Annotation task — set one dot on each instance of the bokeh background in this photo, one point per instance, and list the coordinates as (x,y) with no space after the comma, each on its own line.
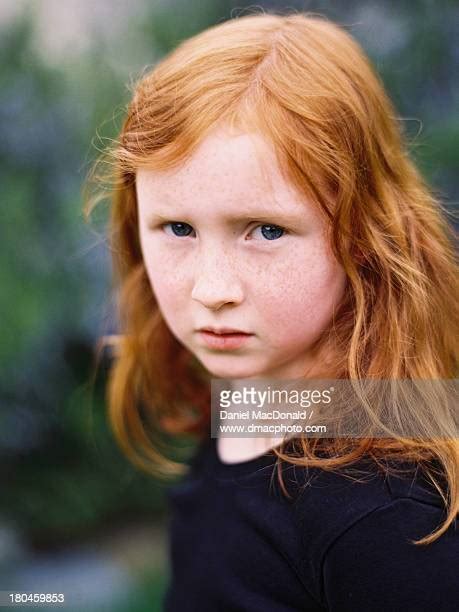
(75,516)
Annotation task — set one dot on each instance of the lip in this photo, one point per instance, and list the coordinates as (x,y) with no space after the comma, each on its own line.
(223,341)
(222,330)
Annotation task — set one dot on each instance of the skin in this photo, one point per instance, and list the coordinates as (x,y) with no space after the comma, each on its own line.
(226,273)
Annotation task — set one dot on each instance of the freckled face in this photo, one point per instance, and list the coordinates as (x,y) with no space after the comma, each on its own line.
(227,242)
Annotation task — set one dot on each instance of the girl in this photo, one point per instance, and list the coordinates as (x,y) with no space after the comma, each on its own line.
(268,222)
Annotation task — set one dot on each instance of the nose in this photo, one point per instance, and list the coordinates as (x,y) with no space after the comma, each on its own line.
(216,282)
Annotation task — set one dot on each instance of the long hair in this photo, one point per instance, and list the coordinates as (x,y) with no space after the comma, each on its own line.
(306,85)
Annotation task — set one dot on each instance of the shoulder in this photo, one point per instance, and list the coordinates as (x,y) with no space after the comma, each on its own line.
(357,538)
(342,497)
(374,559)
(329,502)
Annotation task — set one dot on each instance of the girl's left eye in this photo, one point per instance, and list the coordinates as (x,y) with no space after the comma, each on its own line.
(270,232)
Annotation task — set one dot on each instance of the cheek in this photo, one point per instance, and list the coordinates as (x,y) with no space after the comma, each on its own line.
(299,295)
(167,281)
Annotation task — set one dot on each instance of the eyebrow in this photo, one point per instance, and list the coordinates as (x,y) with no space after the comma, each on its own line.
(232,219)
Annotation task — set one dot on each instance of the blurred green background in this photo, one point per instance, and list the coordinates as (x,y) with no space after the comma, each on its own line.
(75,516)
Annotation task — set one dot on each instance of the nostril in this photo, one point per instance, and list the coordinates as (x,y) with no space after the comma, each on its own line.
(215,292)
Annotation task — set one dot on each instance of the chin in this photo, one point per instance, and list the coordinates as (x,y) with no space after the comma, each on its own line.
(232,368)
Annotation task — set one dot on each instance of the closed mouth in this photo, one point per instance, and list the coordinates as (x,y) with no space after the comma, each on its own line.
(224,332)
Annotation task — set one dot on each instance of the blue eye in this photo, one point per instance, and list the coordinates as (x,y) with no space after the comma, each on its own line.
(271,232)
(268,231)
(179,229)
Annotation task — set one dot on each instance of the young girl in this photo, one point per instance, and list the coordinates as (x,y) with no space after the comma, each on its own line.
(268,222)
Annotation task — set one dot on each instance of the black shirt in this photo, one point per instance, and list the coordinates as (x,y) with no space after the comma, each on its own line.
(238,544)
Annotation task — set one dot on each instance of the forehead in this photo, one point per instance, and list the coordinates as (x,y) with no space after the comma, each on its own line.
(225,168)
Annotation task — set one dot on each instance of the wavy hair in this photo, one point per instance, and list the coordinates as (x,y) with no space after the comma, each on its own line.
(306,85)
